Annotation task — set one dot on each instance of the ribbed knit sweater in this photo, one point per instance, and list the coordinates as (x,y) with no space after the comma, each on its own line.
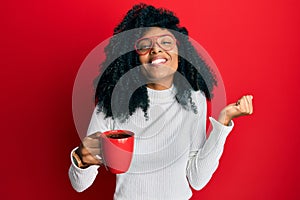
(171,152)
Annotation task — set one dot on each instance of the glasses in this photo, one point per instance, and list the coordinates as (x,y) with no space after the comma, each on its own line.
(144,45)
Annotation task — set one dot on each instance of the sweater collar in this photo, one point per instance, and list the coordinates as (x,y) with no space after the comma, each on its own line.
(161,96)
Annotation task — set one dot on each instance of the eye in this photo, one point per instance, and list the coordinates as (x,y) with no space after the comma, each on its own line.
(144,44)
(167,41)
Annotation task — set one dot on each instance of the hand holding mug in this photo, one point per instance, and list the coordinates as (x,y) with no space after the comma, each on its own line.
(114,146)
(90,149)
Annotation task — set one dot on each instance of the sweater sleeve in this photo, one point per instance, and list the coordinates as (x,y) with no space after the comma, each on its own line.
(81,179)
(204,155)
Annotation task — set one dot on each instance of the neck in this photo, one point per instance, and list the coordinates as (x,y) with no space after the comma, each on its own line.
(160,84)
(155,86)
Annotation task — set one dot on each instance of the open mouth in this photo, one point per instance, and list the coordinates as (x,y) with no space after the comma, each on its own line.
(159,61)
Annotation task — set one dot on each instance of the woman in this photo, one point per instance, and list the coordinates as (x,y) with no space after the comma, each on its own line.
(162,87)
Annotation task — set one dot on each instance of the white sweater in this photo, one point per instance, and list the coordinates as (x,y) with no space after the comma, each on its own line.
(171,152)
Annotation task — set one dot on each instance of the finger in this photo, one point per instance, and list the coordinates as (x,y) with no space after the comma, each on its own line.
(98,157)
(91,143)
(250,97)
(92,151)
(244,106)
(249,104)
(241,104)
(89,159)
(247,108)
(95,135)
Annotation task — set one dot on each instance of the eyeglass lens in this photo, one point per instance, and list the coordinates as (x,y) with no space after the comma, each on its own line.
(166,42)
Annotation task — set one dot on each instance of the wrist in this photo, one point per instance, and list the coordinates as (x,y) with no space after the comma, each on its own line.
(224,119)
(78,160)
(226,122)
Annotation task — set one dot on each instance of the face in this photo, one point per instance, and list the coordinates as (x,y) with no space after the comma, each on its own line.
(159,57)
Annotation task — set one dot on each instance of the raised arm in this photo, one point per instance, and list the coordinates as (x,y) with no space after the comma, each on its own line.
(204,158)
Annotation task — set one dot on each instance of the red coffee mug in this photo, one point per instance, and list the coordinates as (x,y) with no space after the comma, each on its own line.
(117,150)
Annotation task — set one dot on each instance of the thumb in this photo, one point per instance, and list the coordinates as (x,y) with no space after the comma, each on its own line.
(95,135)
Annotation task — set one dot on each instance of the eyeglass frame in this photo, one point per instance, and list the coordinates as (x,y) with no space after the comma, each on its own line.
(152,39)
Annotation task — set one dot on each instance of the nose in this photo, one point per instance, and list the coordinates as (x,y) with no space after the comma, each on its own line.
(155,49)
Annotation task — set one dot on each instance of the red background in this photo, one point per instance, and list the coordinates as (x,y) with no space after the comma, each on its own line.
(255,45)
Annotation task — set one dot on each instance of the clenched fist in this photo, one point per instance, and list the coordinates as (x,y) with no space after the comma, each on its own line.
(242,107)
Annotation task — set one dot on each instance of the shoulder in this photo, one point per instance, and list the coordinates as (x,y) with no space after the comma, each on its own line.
(198,97)
(200,102)
(99,122)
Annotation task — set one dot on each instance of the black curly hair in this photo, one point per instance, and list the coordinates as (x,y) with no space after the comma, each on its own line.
(133,93)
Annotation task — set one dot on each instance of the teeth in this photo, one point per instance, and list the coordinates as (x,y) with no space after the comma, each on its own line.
(158,61)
